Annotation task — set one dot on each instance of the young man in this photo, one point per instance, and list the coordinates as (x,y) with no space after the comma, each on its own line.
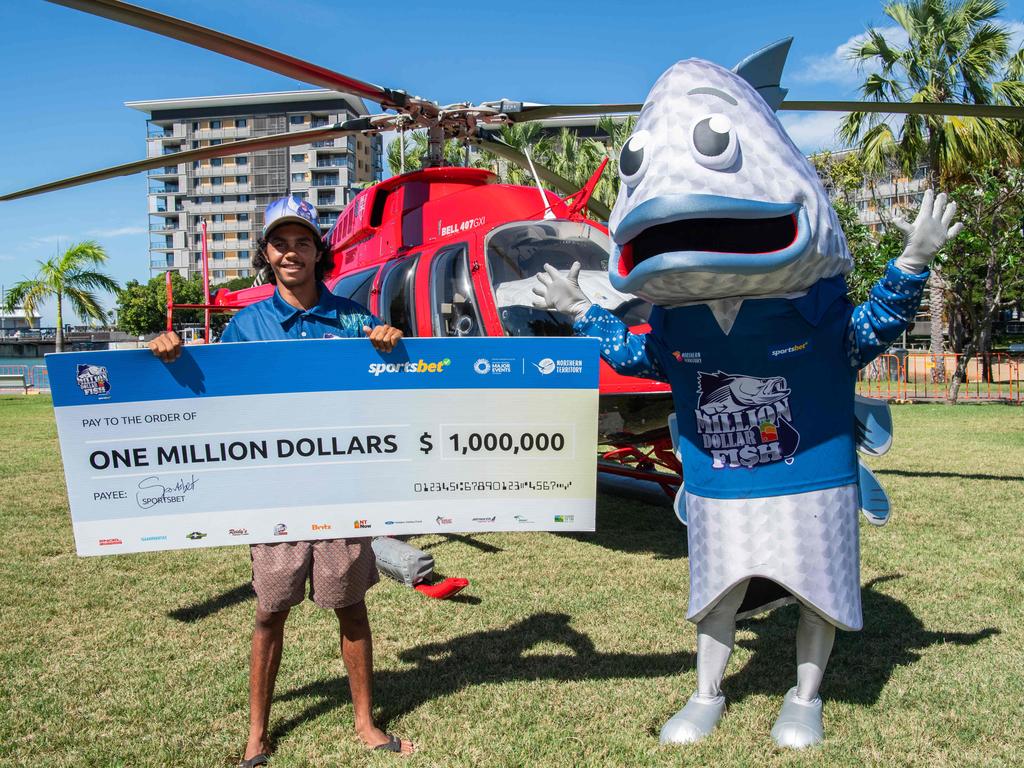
(339,570)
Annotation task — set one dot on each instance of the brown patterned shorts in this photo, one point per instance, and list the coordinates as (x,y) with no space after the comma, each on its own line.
(339,572)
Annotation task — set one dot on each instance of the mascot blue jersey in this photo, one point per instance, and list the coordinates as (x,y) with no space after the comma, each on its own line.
(766,409)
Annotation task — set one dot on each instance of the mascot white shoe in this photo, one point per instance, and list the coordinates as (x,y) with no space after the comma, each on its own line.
(723,225)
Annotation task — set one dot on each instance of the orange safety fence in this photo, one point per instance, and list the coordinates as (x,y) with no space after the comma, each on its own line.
(994,377)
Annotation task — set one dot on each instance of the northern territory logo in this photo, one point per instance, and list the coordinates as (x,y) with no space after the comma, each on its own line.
(93,379)
(744,421)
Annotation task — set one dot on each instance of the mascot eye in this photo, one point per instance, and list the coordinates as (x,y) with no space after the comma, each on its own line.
(714,142)
(634,158)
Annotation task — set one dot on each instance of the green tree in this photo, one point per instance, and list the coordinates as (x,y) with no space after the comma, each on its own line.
(985,264)
(71,275)
(142,307)
(957,52)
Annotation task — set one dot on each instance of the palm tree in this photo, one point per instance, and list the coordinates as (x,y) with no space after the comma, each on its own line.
(956,52)
(526,137)
(69,275)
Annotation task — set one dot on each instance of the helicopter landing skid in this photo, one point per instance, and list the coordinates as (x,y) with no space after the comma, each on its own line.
(644,456)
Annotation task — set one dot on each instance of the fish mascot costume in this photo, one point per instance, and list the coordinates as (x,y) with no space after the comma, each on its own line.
(723,225)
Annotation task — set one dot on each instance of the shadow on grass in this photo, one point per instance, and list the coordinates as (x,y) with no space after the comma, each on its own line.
(636,528)
(481,546)
(493,656)
(205,609)
(957,475)
(861,663)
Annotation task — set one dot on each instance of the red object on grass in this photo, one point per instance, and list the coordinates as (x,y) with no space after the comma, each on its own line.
(443,589)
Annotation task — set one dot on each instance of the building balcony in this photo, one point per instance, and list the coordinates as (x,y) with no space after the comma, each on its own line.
(222,133)
(168,170)
(232,207)
(234,169)
(226,226)
(221,189)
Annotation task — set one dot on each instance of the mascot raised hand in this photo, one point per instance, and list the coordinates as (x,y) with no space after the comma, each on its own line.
(724,226)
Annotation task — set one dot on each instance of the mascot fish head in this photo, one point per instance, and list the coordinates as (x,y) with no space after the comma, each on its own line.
(716,201)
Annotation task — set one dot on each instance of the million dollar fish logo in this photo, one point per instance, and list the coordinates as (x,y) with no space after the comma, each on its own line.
(745,421)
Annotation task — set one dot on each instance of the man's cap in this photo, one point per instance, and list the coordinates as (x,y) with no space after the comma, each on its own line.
(289,210)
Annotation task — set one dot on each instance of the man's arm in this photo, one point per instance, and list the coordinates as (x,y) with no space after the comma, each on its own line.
(628,353)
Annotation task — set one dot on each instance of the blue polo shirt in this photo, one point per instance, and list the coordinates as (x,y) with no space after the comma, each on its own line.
(274,319)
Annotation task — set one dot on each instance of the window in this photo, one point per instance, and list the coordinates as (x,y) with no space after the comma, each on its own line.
(242,179)
(298,177)
(517,252)
(397,294)
(195,125)
(356,287)
(243,216)
(243,255)
(298,158)
(216,161)
(216,180)
(241,123)
(195,145)
(215,124)
(218,217)
(244,199)
(214,142)
(243,272)
(218,274)
(217,198)
(218,236)
(241,161)
(297,119)
(218,254)
(452,305)
(243,235)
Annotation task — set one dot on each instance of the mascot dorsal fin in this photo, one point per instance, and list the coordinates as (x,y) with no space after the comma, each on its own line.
(763,70)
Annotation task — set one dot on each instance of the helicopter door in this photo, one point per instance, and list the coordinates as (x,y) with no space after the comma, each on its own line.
(453,309)
(398,294)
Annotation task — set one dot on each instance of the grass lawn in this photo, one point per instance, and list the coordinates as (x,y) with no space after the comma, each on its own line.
(567,650)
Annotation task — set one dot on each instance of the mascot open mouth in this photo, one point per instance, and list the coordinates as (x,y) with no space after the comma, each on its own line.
(706,233)
(753,236)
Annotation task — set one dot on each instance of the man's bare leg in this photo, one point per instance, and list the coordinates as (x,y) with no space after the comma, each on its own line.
(357,653)
(267,641)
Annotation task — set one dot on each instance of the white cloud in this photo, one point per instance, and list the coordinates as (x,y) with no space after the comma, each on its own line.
(1016,34)
(836,67)
(813,131)
(117,231)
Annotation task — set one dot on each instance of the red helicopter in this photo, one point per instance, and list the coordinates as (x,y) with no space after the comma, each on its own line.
(449,251)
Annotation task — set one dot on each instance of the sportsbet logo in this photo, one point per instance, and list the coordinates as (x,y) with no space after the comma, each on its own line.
(422,366)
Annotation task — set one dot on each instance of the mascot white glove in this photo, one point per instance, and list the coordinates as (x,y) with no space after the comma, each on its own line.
(929,232)
(561,292)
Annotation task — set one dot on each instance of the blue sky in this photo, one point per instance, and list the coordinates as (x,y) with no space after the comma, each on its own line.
(69,75)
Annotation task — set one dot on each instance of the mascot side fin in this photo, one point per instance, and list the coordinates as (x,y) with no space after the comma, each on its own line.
(873,425)
(763,70)
(874,502)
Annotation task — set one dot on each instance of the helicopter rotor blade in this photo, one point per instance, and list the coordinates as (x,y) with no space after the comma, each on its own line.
(291,138)
(520,113)
(950,109)
(526,113)
(502,149)
(236,48)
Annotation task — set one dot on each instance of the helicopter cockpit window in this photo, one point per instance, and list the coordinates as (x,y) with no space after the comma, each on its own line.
(397,293)
(356,286)
(517,252)
(452,303)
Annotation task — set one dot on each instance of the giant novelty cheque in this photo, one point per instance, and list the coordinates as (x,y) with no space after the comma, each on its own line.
(286,441)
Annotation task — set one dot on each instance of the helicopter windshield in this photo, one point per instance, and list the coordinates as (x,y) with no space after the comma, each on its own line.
(517,252)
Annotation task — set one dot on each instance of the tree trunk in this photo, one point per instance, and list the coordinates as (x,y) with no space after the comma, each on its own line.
(988,317)
(58,343)
(960,373)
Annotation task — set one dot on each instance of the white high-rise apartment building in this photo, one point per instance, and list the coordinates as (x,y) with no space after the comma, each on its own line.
(232,192)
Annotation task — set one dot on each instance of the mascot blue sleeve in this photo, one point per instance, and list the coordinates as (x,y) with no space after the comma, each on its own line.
(630,354)
(880,320)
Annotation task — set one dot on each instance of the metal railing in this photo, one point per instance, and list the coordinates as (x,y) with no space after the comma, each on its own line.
(35,375)
(922,376)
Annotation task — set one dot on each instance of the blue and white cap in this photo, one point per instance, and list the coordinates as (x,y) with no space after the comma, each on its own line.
(290,210)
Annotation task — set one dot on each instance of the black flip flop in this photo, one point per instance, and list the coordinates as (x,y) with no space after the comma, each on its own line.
(254,761)
(393,744)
